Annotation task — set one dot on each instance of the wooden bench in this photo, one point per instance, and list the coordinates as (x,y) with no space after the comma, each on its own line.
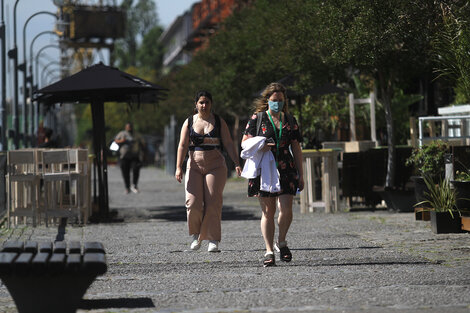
(47,277)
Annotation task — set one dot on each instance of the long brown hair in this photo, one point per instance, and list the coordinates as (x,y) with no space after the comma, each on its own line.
(261,103)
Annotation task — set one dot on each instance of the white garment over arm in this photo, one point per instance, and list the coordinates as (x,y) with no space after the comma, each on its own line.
(260,163)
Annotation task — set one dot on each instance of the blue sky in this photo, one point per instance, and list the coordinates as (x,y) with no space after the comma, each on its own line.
(168,10)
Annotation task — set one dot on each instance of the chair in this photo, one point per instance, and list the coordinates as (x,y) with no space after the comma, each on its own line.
(79,175)
(59,200)
(23,185)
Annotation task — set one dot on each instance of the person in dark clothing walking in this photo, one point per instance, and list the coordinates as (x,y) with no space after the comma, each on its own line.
(131,156)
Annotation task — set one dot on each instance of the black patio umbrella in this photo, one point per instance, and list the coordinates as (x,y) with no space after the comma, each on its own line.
(95,85)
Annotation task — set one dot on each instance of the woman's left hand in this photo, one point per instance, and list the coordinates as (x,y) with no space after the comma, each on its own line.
(239,170)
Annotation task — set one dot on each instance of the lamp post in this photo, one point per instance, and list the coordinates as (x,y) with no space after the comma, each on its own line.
(37,73)
(31,50)
(37,57)
(23,67)
(53,78)
(13,54)
(35,111)
(3,112)
(44,69)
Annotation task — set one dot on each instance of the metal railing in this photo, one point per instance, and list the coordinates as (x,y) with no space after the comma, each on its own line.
(462,125)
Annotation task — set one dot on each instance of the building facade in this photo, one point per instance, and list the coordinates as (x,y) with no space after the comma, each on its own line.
(191,31)
(174,39)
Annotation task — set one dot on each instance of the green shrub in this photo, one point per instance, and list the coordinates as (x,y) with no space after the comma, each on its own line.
(429,159)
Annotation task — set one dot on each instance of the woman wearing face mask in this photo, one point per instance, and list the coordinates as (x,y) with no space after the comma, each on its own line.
(282,132)
(204,134)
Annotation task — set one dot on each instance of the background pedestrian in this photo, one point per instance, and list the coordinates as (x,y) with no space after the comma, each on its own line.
(131,156)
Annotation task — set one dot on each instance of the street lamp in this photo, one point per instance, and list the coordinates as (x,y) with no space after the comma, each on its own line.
(3,111)
(35,111)
(13,54)
(39,53)
(53,78)
(23,67)
(39,109)
(46,67)
(31,49)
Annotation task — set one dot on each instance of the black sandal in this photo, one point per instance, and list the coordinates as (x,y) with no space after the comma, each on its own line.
(285,254)
(269,260)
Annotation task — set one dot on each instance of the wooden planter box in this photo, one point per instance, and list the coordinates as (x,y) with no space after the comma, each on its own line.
(465,223)
(422,214)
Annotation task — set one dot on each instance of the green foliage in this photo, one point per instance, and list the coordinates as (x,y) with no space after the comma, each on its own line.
(255,46)
(462,175)
(150,52)
(429,159)
(141,19)
(84,125)
(384,44)
(451,46)
(441,197)
(401,116)
(324,116)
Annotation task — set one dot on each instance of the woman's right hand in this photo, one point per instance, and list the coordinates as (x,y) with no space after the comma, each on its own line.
(179,174)
(267,147)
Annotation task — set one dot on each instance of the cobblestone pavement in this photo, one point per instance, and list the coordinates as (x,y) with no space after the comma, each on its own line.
(344,262)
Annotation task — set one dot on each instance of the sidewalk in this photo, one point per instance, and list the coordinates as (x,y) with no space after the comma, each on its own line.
(344,262)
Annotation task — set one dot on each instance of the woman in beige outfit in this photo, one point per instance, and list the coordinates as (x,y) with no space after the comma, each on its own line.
(204,134)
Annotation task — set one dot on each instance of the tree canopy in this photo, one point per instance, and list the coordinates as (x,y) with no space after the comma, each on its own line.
(385,42)
(358,45)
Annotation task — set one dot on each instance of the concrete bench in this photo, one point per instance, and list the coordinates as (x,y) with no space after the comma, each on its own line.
(47,277)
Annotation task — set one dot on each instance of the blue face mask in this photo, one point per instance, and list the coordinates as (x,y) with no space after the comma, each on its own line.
(276,106)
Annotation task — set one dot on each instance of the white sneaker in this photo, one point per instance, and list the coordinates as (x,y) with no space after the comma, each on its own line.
(134,189)
(195,244)
(213,246)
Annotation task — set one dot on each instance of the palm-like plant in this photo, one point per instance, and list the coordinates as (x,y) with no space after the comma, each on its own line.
(441,197)
(452,45)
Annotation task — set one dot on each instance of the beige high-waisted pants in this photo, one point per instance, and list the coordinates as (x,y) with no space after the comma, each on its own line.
(205,179)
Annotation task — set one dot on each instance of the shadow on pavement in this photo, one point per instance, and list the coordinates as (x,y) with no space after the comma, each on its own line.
(334,248)
(178,214)
(113,217)
(131,303)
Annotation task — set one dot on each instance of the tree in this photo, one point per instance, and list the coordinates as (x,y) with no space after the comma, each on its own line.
(387,39)
(251,49)
(141,18)
(452,46)
(316,42)
(150,52)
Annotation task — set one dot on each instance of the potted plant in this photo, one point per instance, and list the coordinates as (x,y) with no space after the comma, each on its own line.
(427,160)
(442,198)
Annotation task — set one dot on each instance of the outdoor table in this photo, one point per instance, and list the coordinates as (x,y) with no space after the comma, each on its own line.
(329,179)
